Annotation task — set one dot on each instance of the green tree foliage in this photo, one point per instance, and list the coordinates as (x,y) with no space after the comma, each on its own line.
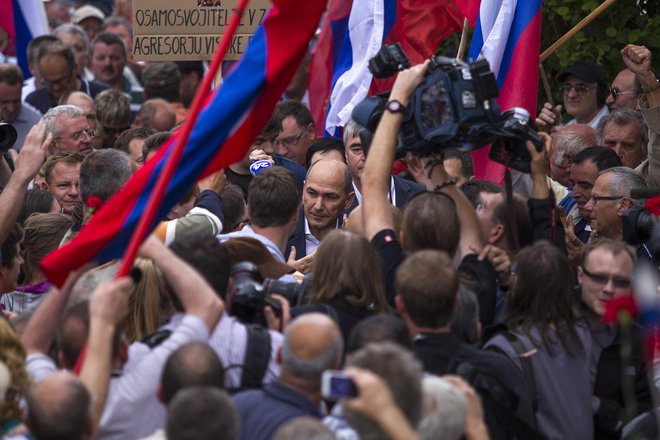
(626,21)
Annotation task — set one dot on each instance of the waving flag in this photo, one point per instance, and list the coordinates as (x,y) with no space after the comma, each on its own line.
(22,20)
(232,118)
(508,35)
(353,32)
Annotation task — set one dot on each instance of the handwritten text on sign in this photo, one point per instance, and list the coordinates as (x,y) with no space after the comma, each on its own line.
(177,30)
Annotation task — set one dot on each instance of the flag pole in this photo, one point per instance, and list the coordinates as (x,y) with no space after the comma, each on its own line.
(577,28)
(175,156)
(460,54)
(546,85)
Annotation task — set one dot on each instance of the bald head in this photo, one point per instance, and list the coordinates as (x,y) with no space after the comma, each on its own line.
(60,408)
(84,102)
(327,192)
(157,114)
(312,344)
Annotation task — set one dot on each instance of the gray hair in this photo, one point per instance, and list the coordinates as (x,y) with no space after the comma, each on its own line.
(351,129)
(401,372)
(625,116)
(569,144)
(50,118)
(103,173)
(311,368)
(623,180)
(74,29)
(445,410)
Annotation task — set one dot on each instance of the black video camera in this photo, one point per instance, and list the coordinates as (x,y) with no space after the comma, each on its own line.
(453,107)
(251,293)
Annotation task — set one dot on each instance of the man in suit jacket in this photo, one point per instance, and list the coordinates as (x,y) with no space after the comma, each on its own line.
(400,189)
(327,192)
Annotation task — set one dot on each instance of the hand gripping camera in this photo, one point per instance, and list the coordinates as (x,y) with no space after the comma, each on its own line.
(453,107)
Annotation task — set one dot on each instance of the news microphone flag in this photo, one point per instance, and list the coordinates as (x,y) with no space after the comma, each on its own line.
(508,35)
(232,118)
(352,33)
(23,20)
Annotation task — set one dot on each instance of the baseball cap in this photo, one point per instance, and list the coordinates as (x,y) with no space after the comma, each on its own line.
(252,250)
(87,11)
(586,70)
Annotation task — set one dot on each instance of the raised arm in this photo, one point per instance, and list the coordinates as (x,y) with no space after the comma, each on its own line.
(471,241)
(29,161)
(196,295)
(108,307)
(376,212)
(638,60)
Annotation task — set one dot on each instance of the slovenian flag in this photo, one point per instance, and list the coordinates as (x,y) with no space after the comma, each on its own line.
(353,32)
(23,20)
(232,118)
(508,35)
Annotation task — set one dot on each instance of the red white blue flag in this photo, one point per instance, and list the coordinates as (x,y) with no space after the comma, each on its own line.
(232,118)
(508,35)
(352,33)
(22,20)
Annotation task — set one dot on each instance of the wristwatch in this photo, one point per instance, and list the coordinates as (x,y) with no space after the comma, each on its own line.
(394,106)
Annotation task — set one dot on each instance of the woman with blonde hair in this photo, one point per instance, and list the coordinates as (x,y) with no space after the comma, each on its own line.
(148,308)
(347,278)
(12,354)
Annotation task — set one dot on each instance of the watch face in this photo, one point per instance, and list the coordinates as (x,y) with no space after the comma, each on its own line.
(394,106)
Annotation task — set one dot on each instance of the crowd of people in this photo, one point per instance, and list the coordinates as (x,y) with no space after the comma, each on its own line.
(452,307)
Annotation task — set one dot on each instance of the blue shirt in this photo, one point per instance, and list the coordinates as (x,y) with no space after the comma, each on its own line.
(263,411)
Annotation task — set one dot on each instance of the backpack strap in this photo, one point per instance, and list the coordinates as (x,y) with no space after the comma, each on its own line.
(257,356)
(527,370)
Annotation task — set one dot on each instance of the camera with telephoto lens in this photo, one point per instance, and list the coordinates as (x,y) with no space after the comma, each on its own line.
(8,136)
(251,293)
(637,224)
(453,107)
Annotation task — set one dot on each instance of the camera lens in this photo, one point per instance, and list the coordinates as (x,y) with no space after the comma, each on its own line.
(8,136)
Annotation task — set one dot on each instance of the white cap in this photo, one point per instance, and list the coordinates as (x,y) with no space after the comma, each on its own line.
(87,11)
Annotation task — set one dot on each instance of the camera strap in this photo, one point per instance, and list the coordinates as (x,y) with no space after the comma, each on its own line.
(257,356)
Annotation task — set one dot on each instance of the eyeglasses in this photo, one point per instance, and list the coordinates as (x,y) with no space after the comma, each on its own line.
(580,89)
(79,135)
(596,199)
(110,131)
(290,141)
(616,93)
(60,81)
(618,283)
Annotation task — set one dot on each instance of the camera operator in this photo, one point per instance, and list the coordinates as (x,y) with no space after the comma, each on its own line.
(431,220)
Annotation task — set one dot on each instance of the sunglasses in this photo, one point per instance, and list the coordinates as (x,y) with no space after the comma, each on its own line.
(616,93)
(618,283)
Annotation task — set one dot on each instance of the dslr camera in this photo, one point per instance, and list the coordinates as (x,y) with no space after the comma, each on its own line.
(251,293)
(453,107)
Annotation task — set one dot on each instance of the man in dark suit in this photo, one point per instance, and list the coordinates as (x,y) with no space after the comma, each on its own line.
(400,189)
(328,190)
